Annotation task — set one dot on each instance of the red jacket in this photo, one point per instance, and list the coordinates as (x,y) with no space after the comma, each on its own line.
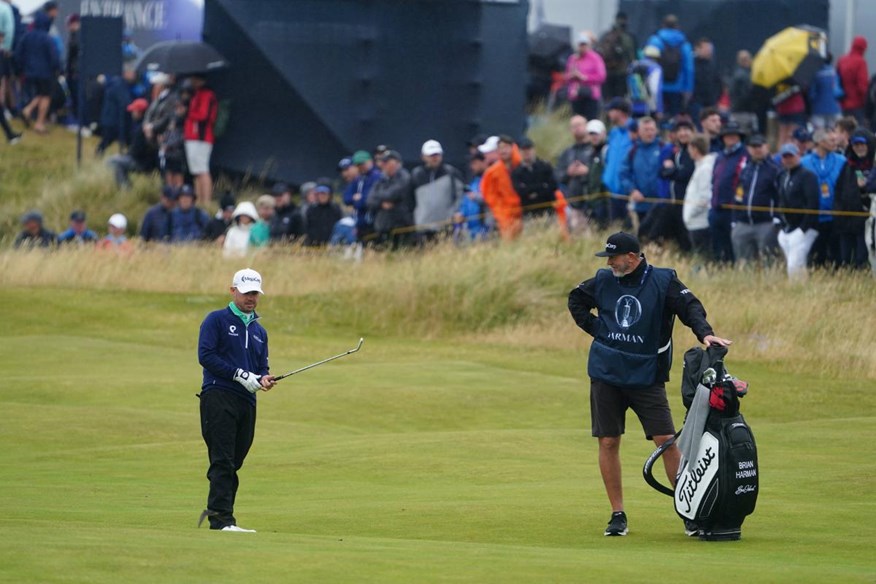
(852,69)
(201,116)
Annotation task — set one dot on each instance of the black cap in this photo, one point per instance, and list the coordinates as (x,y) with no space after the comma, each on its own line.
(227,201)
(280,188)
(619,103)
(619,244)
(170,192)
(757,140)
(77,216)
(187,191)
(477,140)
(391,155)
(525,143)
(32,216)
(732,128)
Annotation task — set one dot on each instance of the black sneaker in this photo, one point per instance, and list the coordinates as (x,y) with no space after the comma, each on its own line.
(618,524)
(691,529)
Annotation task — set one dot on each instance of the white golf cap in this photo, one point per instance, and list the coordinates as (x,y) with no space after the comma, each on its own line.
(491,145)
(247,280)
(595,127)
(159,78)
(118,221)
(432,147)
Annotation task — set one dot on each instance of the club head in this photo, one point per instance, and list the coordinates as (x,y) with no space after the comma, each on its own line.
(361,341)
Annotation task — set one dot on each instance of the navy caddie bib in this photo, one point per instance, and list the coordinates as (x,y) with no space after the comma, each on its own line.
(625,348)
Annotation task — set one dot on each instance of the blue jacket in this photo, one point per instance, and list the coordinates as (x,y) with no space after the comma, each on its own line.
(675,38)
(117,98)
(758,189)
(157,224)
(37,54)
(363,186)
(619,143)
(726,175)
(70,236)
(823,92)
(641,170)
(188,225)
(225,345)
(828,171)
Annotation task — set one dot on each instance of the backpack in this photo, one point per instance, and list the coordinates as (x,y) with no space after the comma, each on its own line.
(670,62)
(637,85)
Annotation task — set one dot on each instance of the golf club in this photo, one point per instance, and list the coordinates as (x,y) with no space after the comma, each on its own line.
(312,365)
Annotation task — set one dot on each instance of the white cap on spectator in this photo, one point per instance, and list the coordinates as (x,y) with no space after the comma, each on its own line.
(595,127)
(118,221)
(159,78)
(491,145)
(432,147)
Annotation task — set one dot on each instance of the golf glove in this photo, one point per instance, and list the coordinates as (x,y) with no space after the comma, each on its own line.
(248,379)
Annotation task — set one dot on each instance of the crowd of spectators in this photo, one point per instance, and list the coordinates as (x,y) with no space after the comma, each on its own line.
(661,144)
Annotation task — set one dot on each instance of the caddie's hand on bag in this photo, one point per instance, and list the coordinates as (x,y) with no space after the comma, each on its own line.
(248,379)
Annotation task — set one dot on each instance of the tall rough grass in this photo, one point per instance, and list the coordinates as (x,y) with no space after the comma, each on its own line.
(494,293)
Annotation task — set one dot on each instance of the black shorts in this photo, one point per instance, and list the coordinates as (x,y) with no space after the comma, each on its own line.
(40,87)
(5,65)
(609,405)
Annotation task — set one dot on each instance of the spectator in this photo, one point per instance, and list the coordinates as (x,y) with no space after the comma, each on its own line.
(171,148)
(219,224)
(78,232)
(33,234)
(790,110)
(356,193)
(199,137)
(802,138)
(116,240)
(39,61)
(852,195)
(141,157)
(585,74)
(823,106)
(162,111)
(740,84)
(845,127)
(618,49)
(619,143)
(798,191)
(640,170)
(322,217)
(707,80)
(534,182)
(157,222)
(188,222)
(665,221)
(472,212)
(597,207)
(12,138)
(308,196)
(7,37)
(236,242)
(827,165)
(437,189)
(698,196)
(645,84)
(676,61)
(852,69)
(573,166)
(287,223)
(71,68)
(498,189)
(725,182)
(260,234)
(114,112)
(753,230)
(710,121)
(130,51)
(390,202)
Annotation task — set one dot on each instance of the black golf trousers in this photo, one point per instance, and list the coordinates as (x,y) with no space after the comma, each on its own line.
(228,428)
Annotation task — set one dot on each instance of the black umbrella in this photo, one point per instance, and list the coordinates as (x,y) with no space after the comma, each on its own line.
(181,58)
(550,41)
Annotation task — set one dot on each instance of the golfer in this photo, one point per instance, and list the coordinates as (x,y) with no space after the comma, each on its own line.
(631,354)
(233,349)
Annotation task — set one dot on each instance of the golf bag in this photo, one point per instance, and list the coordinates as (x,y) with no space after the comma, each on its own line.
(717,483)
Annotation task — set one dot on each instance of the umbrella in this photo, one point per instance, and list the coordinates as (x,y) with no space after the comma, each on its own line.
(181,58)
(794,54)
(549,42)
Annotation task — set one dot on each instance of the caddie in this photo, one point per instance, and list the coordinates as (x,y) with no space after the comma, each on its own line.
(233,350)
(631,355)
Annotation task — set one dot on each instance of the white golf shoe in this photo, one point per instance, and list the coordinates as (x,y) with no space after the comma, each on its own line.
(236,528)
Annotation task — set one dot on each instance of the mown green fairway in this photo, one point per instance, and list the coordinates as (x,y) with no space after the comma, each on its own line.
(412,461)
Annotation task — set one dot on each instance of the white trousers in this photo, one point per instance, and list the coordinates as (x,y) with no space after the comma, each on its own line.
(796,246)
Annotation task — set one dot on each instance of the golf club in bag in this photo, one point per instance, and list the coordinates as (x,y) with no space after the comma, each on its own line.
(717,483)
(312,365)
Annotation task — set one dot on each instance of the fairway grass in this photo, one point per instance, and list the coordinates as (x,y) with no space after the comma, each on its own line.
(412,461)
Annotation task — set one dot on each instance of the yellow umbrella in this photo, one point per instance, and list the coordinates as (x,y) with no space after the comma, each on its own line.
(794,54)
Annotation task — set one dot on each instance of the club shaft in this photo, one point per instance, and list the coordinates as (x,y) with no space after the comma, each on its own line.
(312,365)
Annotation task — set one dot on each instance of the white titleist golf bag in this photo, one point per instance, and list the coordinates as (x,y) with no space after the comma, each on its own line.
(717,483)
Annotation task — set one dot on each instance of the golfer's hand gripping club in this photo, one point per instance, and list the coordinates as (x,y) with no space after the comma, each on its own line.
(248,380)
